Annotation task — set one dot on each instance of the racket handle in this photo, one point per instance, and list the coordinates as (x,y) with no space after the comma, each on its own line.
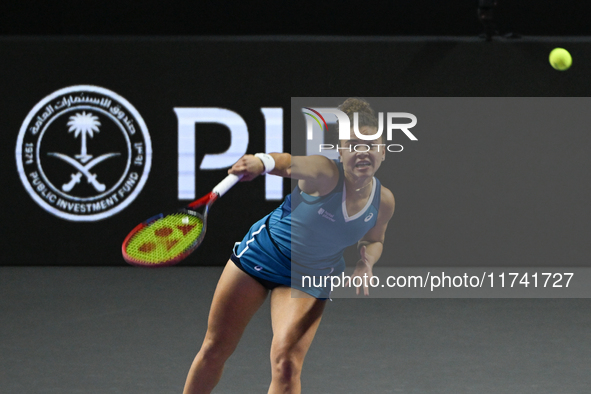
(226,184)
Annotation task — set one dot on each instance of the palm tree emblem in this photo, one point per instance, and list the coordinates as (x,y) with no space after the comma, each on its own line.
(83,124)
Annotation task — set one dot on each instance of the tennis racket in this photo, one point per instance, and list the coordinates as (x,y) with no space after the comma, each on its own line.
(166,239)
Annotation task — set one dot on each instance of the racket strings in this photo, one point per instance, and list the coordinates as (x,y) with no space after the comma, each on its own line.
(165,240)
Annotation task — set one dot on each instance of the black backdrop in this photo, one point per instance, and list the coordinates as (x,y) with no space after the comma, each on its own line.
(374,17)
(243,75)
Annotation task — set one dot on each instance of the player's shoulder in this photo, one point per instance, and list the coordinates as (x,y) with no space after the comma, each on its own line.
(317,159)
(316,164)
(387,201)
(317,174)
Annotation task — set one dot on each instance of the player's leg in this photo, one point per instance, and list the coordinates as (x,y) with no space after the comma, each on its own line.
(295,321)
(237,297)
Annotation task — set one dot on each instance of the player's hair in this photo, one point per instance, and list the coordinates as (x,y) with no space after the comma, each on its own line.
(366,114)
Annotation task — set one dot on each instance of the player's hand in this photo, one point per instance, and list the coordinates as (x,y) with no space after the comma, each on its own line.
(248,166)
(364,271)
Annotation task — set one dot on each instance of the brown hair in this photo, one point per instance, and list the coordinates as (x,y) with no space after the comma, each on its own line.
(366,115)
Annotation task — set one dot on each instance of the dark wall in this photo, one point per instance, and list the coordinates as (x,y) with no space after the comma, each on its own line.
(158,75)
(403,17)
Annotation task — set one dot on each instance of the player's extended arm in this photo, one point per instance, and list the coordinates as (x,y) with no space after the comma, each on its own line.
(317,174)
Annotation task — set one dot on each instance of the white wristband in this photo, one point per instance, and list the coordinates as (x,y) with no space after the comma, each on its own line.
(267,160)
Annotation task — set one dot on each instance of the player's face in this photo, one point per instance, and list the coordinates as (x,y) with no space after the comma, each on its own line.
(362,158)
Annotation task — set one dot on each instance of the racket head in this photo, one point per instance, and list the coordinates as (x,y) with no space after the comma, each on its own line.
(165,239)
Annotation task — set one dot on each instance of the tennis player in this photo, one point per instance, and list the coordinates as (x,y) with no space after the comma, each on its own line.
(335,204)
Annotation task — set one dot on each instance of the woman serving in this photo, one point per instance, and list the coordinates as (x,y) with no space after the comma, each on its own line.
(335,204)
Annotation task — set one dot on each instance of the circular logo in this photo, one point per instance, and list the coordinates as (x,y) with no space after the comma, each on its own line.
(83,153)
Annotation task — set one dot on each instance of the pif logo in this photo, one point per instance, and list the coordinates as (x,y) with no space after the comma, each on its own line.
(314,116)
(83,153)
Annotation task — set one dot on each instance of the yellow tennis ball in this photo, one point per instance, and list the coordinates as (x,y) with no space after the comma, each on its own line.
(560,59)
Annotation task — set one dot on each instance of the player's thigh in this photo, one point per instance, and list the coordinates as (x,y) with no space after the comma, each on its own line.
(295,321)
(236,299)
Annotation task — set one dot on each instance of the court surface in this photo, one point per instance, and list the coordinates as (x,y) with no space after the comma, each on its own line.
(131,330)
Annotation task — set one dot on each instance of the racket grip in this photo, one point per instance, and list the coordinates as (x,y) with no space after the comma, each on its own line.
(226,184)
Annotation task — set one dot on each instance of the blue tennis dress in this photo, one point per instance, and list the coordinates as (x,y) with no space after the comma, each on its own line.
(306,236)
